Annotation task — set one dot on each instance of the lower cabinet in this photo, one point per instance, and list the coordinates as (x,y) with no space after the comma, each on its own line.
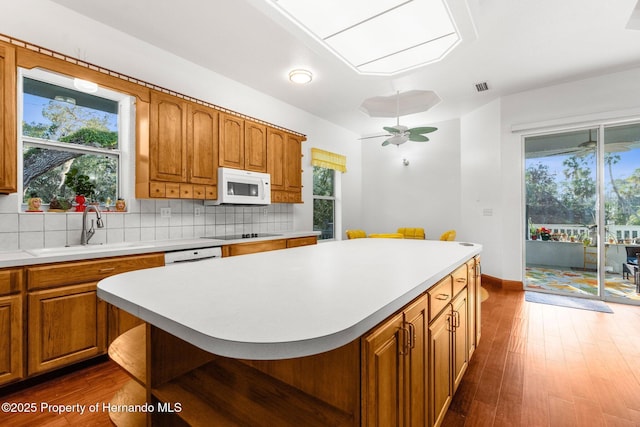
(67,322)
(11,332)
(66,325)
(267,245)
(11,325)
(448,355)
(413,363)
(394,377)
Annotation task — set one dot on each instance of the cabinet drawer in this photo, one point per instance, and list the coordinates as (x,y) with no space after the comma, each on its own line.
(186,191)
(52,275)
(439,296)
(459,279)
(253,247)
(199,192)
(302,241)
(211,192)
(10,281)
(157,190)
(173,191)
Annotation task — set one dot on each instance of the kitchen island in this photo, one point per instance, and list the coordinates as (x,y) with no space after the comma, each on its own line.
(291,336)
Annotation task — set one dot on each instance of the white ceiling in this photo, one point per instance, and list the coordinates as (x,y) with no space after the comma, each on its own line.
(517,45)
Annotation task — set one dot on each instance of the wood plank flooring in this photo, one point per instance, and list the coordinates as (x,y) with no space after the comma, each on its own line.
(537,365)
(543,365)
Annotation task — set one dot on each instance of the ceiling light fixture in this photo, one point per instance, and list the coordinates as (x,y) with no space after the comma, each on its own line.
(85,86)
(300,76)
(66,99)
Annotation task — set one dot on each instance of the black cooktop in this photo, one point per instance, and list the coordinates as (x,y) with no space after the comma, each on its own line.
(243,236)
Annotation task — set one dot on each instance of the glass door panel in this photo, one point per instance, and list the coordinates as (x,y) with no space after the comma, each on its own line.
(561,252)
(622,212)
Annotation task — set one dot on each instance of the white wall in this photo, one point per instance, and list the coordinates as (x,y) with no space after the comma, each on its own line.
(426,193)
(481,183)
(52,26)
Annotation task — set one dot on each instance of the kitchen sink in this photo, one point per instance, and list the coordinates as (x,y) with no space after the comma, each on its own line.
(85,249)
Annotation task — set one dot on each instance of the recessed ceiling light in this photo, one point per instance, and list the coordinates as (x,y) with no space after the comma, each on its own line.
(300,76)
(85,86)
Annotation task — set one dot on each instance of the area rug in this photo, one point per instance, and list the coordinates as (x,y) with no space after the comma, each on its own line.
(571,302)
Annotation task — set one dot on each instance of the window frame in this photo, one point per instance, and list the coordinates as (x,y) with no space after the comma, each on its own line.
(333,198)
(125,127)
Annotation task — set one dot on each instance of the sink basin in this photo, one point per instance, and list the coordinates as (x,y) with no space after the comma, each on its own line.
(86,249)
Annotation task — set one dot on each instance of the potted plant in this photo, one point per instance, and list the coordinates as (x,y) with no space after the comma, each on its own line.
(59,205)
(81,185)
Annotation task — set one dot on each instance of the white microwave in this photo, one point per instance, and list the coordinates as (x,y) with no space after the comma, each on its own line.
(239,187)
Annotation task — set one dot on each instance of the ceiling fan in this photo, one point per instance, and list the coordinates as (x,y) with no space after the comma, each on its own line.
(400,134)
(581,149)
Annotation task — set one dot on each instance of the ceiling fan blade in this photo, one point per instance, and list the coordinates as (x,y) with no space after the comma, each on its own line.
(418,137)
(375,136)
(385,142)
(392,130)
(421,130)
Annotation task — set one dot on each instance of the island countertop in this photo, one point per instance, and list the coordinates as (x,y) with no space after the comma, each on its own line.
(288,303)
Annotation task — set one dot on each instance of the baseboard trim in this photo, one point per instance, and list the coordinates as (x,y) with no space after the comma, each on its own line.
(510,285)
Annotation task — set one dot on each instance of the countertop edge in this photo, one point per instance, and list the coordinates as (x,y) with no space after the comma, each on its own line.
(284,350)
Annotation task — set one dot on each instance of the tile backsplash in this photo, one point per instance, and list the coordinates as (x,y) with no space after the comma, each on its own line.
(142,222)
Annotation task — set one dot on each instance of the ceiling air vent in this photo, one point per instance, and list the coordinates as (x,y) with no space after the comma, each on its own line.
(481,87)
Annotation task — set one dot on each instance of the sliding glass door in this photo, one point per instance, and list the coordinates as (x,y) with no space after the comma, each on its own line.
(561,249)
(621,212)
(582,213)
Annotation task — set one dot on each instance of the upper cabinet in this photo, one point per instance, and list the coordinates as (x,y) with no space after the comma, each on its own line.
(243,144)
(177,149)
(284,160)
(8,137)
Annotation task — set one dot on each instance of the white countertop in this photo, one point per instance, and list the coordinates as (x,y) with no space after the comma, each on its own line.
(92,251)
(288,303)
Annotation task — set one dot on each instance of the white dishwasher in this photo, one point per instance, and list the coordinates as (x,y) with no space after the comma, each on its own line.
(191,255)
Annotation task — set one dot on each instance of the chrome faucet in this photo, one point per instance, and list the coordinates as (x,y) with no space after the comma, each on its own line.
(88,234)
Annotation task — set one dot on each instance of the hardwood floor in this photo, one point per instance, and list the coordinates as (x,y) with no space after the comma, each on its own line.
(537,365)
(91,385)
(543,365)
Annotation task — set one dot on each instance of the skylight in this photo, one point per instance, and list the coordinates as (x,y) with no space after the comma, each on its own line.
(381,37)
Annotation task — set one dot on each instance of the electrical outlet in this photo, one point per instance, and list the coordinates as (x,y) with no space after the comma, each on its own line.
(165,212)
(264,211)
(196,212)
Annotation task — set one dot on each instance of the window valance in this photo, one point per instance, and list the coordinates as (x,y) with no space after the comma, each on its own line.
(329,160)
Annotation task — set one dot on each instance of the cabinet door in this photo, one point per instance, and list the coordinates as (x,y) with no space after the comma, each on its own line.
(460,338)
(11,328)
(383,376)
(168,138)
(478,302)
(8,138)
(231,148)
(275,158)
(66,325)
(255,147)
(440,391)
(293,163)
(202,145)
(416,361)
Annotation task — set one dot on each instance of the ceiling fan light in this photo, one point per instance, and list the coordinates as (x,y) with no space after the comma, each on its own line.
(300,76)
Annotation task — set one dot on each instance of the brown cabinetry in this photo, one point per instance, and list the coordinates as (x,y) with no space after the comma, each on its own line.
(8,137)
(394,377)
(177,149)
(448,348)
(267,245)
(243,144)
(284,160)
(11,326)
(66,325)
(67,322)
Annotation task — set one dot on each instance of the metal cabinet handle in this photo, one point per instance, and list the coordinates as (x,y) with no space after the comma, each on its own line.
(107,270)
(412,336)
(442,297)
